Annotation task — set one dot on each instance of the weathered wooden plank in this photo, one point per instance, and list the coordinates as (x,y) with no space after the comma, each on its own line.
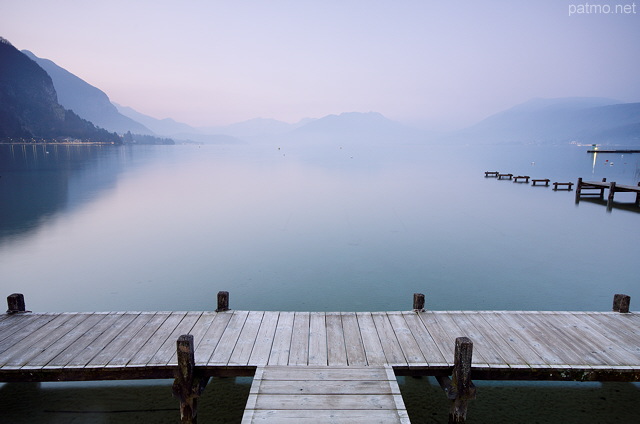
(222,353)
(449,321)
(390,345)
(211,338)
(408,343)
(264,339)
(336,349)
(299,354)
(586,339)
(441,337)
(282,340)
(556,353)
(16,322)
(198,332)
(319,387)
(482,342)
(335,402)
(242,350)
(532,337)
(23,329)
(621,349)
(324,416)
(121,338)
(63,340)
(325,394)
(353,340)
(102,340)
(625,326)
(513,339)
(84,343)
(320,373)
(317,339)
(428,346)
(158,337)
(370,339)
(566,340)
(168,348)
(622,339)
(136,343)
(20,353)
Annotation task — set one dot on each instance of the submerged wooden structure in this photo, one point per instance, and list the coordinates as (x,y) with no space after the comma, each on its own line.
(321,366)
(601,186)
(567,186)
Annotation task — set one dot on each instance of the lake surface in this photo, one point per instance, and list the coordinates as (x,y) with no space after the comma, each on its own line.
(314,228)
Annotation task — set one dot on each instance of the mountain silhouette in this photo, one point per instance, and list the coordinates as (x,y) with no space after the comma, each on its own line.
(178,130)
(87,101)
(561,120)
(29,107)
(358,127)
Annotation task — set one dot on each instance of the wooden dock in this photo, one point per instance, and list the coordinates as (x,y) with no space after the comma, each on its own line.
(601,186)
(354,350)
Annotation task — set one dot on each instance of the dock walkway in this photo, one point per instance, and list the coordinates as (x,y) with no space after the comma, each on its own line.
(523,345)
(353,394)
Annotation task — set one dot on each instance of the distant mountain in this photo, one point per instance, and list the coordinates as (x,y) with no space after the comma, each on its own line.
(165,126)
(86,100)
(178,130)
(359,127)
(29,105)
(256,127)
(562,120)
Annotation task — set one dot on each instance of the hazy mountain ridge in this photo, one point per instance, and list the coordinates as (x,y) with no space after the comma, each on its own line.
(356,127)
(85,100)
(539,120)
(29,105)
(562,120)
(171,128)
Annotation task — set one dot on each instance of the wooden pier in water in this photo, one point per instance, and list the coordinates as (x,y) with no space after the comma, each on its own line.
(601,186)
(583,188)
(321,366)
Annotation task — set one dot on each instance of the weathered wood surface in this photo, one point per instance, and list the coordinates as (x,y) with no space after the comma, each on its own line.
(345,394)
(507,344)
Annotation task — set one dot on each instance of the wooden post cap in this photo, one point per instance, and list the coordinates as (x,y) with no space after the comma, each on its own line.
(15,302)
(223,301)
(621,303)
(418,302)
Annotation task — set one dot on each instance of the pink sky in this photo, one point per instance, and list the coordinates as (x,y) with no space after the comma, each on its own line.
(445,64)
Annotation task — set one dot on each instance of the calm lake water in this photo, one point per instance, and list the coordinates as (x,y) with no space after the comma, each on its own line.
(315,228)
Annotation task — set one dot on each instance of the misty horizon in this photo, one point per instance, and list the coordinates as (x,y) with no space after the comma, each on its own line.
(438,66)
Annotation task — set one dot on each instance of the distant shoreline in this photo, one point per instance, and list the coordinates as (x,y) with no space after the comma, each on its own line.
(69,143)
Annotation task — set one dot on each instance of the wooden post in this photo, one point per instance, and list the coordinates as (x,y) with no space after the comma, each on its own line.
(612,191)
(188,384)
(418,302)
(638,197)
(578,190)
(621,303)
(604,180)
(223,301)
(15,302)
(461,380)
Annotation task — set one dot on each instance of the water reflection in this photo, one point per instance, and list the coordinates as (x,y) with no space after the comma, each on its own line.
(38,181)
(321,228)
(311,229)
(119,402)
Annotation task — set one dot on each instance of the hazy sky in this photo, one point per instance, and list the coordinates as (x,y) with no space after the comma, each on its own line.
(208,62)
